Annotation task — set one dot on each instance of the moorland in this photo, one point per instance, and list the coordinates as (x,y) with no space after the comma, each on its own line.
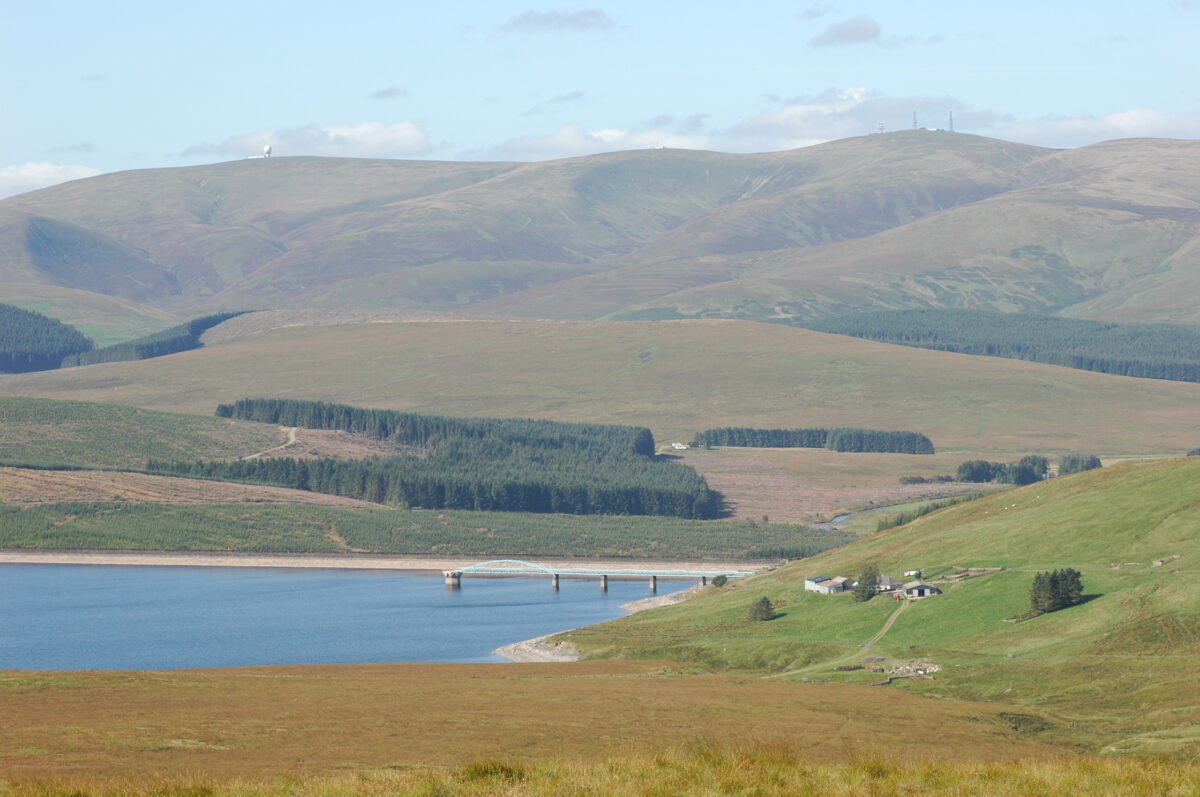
(629,291)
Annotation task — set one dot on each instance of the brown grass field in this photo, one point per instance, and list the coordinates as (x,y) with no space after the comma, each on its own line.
(675,377)
(262,721)
(807,485)
(27,487)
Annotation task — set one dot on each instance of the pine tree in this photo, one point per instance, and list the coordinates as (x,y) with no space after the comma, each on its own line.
(868,584)
(761,609)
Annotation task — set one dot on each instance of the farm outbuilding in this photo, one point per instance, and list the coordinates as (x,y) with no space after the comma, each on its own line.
(920,589)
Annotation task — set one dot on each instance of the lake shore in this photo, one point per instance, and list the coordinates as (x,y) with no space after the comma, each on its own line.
(540,649)
(344,561)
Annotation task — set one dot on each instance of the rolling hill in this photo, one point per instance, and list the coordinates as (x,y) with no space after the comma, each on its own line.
(676,377)
(906,219)
(1114,673)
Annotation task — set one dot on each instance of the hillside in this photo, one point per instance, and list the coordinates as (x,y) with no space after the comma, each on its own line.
(1115,673)
(104,319)
(675,377)
(906,219)
(46,433)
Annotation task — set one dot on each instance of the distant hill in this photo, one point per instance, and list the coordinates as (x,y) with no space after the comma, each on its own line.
(906,219)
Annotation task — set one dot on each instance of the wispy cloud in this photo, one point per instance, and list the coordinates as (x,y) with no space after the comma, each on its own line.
(857,30)
(82,146)
(574,139)
(1081,129)
(389,93)
(362,140)
(40,174)
(864,30)
(592,19)
(554,103)
(818,10)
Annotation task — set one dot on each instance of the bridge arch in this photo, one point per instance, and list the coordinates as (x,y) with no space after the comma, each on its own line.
(513,565)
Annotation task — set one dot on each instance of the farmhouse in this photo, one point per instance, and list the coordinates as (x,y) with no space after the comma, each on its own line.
(920,589)
(825,585)
(889,584)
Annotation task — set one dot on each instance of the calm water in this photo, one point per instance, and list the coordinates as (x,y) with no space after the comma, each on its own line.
(69,617)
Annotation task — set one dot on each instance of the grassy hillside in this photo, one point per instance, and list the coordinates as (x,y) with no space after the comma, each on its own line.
(675,377)
(907,219)
(104,319)
(1113,673)
(281,528)
(45,433)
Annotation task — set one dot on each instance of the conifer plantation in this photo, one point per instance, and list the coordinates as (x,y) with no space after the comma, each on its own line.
(838,439)
(169,341)
(30,341)
(514,464)
(1152,351)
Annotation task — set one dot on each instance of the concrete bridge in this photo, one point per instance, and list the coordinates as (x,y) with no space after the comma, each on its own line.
(518,567)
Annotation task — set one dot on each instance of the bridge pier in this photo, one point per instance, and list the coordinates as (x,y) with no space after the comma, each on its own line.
(453,578)
(554,581)
(654,584)
(604,583)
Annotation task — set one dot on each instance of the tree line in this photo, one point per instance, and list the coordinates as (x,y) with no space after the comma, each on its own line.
(836,439)
(1027,470)
(169,341)
(30,341)
(1152,351)
(416,429)
(508,464)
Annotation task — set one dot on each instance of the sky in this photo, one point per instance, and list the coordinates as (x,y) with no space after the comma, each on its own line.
(87,87)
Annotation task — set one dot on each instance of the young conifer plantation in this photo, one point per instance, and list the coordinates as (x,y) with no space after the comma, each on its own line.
(512,464)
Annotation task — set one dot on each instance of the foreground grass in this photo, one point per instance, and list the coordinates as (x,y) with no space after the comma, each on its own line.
(258,722)
(710,770)
(291,528)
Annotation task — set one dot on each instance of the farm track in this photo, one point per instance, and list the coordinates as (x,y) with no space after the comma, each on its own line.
(866,646)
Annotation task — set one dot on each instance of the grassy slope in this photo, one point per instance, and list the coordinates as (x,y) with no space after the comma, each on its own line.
(104,319)
(1113,673)
(675,377)
(1126,249)
(44,432)
(280,528)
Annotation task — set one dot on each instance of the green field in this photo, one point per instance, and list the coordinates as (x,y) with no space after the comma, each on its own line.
(282,528)
(1115,674)
(677,377)
(42,433)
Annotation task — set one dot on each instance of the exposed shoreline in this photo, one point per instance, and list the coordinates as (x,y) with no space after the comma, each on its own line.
(538,649)
(355,561)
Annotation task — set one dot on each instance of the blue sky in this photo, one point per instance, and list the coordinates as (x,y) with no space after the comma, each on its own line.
(90,87)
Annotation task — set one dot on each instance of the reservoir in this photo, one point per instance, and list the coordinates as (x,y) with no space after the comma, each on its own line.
(73,617)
